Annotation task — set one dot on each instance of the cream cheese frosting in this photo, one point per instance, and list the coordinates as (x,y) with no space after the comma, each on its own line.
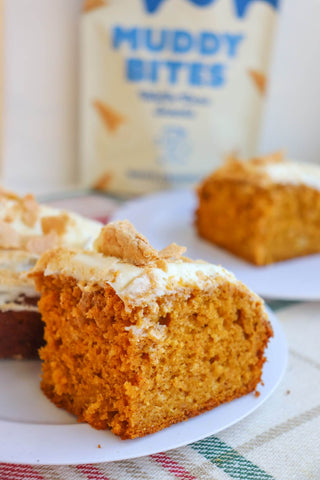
(12,298)
(294,173)
(14,283)
(135,285)
(138,273)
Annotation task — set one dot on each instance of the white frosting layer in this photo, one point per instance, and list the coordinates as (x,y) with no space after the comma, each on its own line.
(14,284)
(294,173)
(11,298)
(17,260)
(134,285)
(79,232)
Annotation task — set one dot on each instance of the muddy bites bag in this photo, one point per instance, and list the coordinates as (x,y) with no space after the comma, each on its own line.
(169,88)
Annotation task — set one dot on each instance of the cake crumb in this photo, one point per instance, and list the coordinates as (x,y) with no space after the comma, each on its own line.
(99,446)
(172,251)
(121,239)
(257,393)
(288,392)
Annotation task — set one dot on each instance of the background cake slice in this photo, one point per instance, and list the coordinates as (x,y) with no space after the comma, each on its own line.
(138,339)
(264,209)
(27,229)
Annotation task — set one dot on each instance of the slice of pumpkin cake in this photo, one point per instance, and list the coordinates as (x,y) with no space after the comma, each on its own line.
(265,210)
(139,339)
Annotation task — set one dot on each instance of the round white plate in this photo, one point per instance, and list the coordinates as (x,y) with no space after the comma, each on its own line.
(34,431)
(168,217)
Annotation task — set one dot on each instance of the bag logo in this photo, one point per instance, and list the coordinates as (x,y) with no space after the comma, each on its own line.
(241,6)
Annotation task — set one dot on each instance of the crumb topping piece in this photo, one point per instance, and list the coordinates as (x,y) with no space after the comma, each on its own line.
(120,239)
(276,157)
(239,167)
(249,171)
(55,223)
(172,252)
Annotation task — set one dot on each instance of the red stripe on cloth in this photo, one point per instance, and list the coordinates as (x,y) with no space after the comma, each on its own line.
(18,472)
(103,219)
(172,466)
(92,472)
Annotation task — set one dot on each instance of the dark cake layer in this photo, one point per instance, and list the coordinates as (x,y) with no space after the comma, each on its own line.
(21,333)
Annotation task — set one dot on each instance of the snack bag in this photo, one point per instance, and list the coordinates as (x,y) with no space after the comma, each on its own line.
(169,88)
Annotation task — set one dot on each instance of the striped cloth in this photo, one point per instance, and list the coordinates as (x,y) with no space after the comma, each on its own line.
(279,441)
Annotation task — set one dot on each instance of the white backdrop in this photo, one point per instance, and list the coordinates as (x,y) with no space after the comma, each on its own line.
(40,97)
(292,116)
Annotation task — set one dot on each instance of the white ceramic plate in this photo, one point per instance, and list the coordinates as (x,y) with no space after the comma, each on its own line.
(34,431)
(168,217)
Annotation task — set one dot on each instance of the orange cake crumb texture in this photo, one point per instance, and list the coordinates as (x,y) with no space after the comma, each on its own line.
(242,210)
(102,363)
(138,369)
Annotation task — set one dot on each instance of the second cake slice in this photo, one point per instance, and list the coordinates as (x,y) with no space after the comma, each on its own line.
(264,209)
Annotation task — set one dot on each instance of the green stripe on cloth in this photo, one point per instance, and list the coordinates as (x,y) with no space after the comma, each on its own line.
(229,460)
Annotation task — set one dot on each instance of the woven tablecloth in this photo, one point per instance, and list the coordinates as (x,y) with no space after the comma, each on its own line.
(279,441)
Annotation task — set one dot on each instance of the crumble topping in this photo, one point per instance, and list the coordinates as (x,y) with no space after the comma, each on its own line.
(172,252)
(251,171)
(55,223)
(120,239)
(266,171)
